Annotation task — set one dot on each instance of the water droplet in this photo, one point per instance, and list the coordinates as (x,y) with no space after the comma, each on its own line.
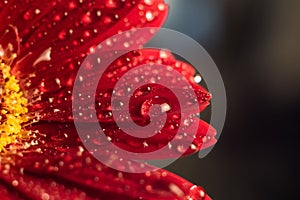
(165,107)
(163,54)
(113,4)
(107,20)
(149,16)
(161,6)
(37,11)
(176,190)
(181,149)
(15,183)
(86,19)
(62,35)
(148,2)
(126,44)
(197,78)
(187,122)
(27,15)
(196,192)
(45,196)
(193,147)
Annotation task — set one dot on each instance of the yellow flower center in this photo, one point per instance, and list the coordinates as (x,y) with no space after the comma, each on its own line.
(13,108)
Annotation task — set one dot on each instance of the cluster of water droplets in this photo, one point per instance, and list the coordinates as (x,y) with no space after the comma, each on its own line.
(46,32)
(98,177)
(91,18)
(145,102)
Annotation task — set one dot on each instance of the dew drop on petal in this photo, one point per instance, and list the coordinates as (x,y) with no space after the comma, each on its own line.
(165,107)
(196,192)
(163,54)
(45,196)
(86,19)
(197,78)
(161,6)
(126,44)
(112,4)
(149,16)
(181,149)
(72,5)
(62,35)
(176,190)
(107,20)
(27,16)
(148,2)
(15,183)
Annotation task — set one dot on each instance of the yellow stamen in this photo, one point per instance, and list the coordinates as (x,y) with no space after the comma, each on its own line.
(13,108)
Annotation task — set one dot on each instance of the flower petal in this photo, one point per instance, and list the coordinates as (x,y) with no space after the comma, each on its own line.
(29,186)
(61,136)
(54,33)
(55,174)
(55,103)
(193,134)
(7,193)
(195,137)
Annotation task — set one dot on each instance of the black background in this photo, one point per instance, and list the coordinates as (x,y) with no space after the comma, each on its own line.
(256,47)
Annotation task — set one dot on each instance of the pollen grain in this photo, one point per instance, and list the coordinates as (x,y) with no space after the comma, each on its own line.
(13,108)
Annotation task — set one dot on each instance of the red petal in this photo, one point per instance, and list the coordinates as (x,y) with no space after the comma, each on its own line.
(74,173)
(62,136)
(179,118)
(44,30)
(67,30)
(50,55)
(29,186)
(182,143)
(56,102)
(8,193)
(193,134)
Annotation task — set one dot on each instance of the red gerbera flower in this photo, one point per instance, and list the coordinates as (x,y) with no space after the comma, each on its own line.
(42,45)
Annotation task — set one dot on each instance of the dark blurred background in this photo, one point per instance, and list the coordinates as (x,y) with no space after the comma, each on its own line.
(256,47)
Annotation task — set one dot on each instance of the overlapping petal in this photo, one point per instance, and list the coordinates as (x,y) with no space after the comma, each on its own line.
(193,129)
(51,39)
(63,169)
(66,31)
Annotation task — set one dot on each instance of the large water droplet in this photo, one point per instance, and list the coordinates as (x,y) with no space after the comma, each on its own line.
(161,6)
(149,16)
(196,193)
(197,78)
